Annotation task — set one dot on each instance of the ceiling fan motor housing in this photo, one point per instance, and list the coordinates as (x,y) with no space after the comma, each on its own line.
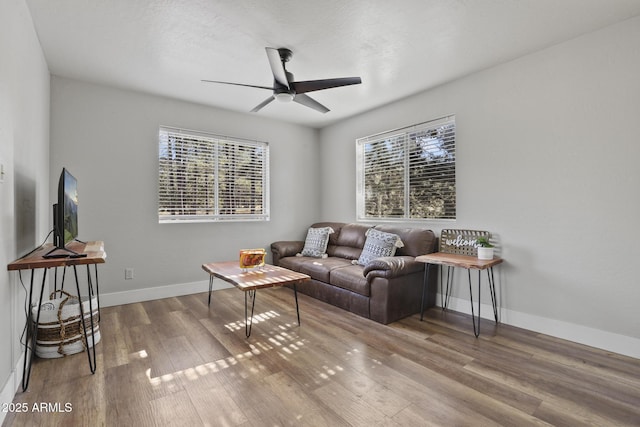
(285,54)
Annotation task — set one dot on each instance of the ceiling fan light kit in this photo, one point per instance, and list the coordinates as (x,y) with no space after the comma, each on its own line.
(285,89)
(284,96)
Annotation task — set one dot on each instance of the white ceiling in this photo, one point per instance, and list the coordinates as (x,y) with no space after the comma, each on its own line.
(400,47)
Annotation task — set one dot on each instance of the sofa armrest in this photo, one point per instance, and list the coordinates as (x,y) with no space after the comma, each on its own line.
(390,267)
(286,248)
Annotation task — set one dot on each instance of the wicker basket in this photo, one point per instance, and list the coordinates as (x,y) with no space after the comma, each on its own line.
(60,328)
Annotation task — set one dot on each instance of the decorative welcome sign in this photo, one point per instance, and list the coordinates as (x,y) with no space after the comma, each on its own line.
(461,242)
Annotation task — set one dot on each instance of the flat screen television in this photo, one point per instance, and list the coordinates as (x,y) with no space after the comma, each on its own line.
(65,216)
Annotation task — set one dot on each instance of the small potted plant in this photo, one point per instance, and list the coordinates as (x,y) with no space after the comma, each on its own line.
(485,248)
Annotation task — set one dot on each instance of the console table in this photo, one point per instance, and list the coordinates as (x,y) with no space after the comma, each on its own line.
(469,263)
(90,253)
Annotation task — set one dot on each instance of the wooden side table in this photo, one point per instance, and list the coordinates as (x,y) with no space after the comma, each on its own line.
(92,253)
(469,263)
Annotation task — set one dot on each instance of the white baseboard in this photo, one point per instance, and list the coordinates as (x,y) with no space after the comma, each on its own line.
(604,340)
(159,292)
(8,392)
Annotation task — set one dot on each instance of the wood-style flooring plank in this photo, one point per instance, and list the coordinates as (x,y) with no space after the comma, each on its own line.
(117,347)
(178,361)
(448,392)
(553,394)
(352,408)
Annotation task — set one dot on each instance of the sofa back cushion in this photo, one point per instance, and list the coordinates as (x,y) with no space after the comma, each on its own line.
(417,241)
(349,242)
(337,226)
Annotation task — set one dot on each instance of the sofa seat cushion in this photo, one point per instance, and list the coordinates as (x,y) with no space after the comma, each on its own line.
(351,278)
(317,268)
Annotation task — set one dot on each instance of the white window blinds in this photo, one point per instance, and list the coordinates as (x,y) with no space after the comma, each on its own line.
(408,173)
(206,177)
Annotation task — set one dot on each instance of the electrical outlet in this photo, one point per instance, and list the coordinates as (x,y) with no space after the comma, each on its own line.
(128,273)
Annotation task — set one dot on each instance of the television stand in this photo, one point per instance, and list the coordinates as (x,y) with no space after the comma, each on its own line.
(91,253)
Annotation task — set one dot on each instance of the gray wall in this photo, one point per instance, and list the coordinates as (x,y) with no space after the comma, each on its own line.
(108,139)
(547,159)
(24,155)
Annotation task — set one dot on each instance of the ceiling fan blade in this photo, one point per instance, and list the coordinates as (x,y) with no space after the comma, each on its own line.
(262,104)
(237,84)
(277,68)
(312,85)
(307,101)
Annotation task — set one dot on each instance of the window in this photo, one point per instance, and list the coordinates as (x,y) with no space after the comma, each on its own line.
(408,173)
(205,177)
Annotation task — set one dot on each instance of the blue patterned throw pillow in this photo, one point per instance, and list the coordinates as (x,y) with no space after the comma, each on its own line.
(315,245)
(378,244)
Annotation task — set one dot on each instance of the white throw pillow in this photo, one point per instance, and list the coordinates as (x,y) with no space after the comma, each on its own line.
(378,244)
(315,245)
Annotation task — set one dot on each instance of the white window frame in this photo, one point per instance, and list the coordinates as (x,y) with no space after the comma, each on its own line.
(407,174)
(198,191)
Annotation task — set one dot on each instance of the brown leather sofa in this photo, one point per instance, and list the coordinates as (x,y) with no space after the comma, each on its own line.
(385,289)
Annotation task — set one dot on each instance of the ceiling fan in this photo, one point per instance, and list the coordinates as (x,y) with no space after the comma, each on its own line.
(285,89)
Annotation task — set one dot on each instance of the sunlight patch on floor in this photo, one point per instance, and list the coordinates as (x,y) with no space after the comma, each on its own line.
(279,340)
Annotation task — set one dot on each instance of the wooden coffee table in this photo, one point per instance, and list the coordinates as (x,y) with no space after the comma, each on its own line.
(250,280)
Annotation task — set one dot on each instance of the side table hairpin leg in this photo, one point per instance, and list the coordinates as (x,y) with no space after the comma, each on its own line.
(425,283)
(492,292)
(94,293)
(476,329)
(91,351)
(444,293)
(31,331)
(447,293)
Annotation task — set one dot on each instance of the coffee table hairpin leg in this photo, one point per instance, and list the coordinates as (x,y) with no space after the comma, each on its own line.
(295,293)
(248,321)
(210,288)
(271,277)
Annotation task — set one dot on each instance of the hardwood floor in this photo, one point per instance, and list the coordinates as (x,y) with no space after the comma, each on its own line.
(175,362)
